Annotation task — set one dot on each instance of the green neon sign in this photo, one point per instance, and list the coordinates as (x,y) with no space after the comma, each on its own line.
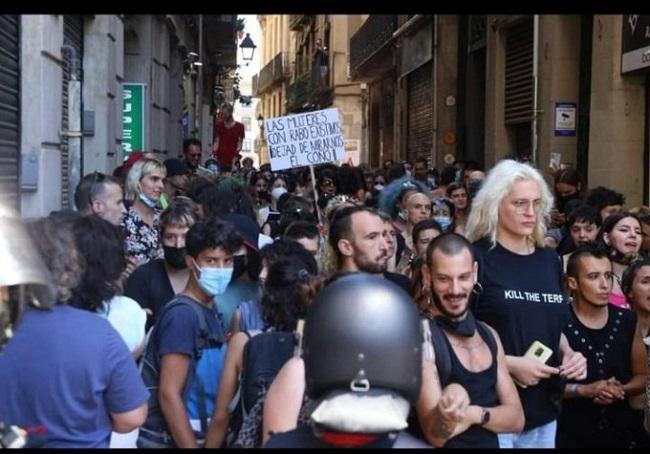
(132,117)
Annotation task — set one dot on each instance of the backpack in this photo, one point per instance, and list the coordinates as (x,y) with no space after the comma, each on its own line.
(155,426)
(264,356)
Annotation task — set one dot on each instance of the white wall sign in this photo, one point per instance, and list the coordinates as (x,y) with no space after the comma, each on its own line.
(304,139)
(565,118)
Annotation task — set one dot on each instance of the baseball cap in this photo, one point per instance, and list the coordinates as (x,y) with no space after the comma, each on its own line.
(175,167)
(246,227)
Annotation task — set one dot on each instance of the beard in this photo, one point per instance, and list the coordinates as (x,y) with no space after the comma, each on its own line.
(437,302)
(378,266)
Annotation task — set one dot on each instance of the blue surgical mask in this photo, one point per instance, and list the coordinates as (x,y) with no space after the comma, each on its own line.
(214,281)
(444,221)
(151,203)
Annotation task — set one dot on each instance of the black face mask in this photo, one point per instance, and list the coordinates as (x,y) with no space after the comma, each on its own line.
(474,187)
(175,257)
(618,257)
(465,327)
(562,201)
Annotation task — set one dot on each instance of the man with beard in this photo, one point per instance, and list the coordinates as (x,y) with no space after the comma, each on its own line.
(358,237)
(478,398)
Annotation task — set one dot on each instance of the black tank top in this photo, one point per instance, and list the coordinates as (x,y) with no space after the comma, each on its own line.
(481,387)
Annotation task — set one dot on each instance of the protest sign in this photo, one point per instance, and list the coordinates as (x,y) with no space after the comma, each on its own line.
(304,139)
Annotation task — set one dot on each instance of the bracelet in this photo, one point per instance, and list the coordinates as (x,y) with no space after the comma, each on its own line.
(573,389)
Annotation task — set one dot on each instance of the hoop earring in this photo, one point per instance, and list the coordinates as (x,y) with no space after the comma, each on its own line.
(477,289)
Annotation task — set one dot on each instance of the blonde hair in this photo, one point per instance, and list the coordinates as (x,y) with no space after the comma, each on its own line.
(483,219)
(141,168)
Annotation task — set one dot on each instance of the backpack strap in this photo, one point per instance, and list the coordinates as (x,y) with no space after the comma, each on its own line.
(489,338)
(443,358)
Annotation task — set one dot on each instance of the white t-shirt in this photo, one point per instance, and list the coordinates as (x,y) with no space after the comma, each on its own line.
(128,319)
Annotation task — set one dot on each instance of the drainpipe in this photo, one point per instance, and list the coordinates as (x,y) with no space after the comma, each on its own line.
(534,138)
(198,83)
(434,151)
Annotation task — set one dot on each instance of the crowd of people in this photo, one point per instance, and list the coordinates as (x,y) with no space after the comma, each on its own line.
(223,305)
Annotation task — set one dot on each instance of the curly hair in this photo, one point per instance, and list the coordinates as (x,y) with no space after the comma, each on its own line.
(290,289)
(101,244)
(54,240)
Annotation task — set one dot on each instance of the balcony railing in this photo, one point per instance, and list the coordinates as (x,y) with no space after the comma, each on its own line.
(273,72)
(373,35)
(296,21)
(308,90)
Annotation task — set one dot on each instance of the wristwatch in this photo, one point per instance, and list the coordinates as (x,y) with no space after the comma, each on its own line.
(485,416)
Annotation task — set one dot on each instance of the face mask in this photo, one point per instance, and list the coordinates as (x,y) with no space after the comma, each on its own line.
(175,257)
(240,266)
(276,193)
(379,187)
(444,221)
(213,168)
(151,203)
(457,178)
(562,201)
(465,327)
(214,281)
(432,182)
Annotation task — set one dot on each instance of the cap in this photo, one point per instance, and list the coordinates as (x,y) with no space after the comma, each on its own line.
(246,227)
(175,167)
(131,159)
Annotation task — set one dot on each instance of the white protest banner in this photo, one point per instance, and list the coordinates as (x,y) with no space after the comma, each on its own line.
(304,139)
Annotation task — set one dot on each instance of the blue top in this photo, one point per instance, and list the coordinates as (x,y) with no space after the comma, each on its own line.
(237,291)
(66,369)
(177,333)
(250,316)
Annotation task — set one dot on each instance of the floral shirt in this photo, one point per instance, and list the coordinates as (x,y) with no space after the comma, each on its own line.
(142,241)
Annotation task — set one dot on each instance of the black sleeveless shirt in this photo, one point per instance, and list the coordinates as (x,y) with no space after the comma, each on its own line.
(481,387)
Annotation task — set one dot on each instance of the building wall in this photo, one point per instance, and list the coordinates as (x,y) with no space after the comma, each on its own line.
(445,89)
(102,92)
(559,70)
(41,78)
(616,133)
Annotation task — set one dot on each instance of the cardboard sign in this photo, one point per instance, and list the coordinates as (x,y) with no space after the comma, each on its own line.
(304,139)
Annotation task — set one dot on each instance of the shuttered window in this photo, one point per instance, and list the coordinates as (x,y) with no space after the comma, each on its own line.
(9,109)
(72,36)
(519,88)
(420,113)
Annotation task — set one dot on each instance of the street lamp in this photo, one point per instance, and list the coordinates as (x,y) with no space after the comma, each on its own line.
(247,48)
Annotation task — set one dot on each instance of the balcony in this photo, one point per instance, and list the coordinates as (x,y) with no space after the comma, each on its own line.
(296,21)
(309,92)
(370,55)
(273,72)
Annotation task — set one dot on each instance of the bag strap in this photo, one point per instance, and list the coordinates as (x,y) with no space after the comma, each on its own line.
(443,358)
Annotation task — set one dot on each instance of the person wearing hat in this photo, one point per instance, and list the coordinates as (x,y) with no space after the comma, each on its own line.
(174,182)
(244,285)
(359,402)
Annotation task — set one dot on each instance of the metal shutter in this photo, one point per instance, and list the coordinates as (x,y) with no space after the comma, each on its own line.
(420,113)
(519,73)
(72,36)
(9,109)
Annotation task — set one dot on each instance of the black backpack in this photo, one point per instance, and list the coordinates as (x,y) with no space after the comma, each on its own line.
(155,426)
(264,355)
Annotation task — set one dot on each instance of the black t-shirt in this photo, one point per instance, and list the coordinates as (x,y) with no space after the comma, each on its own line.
(149,285)
(524,301)
(398,279)
(608,350)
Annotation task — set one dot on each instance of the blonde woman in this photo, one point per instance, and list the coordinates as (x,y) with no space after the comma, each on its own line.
(141,224)
(521,294)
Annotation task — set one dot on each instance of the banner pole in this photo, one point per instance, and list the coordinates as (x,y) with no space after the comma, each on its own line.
(313,183)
